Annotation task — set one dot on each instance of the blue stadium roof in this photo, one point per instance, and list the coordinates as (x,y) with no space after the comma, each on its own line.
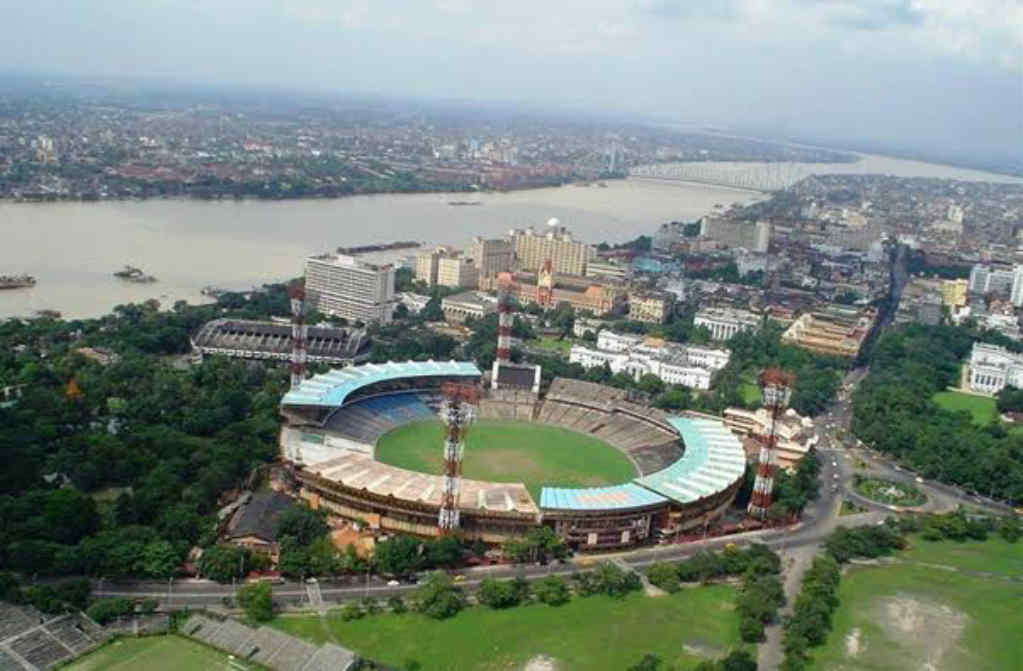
(599,498)
(713,460)
(330,389)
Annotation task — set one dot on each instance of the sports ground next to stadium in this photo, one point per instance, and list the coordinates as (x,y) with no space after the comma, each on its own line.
(536,455)
(157,653)
(596,633)
(939,605)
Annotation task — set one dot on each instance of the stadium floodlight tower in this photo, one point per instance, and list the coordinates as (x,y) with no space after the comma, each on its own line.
(457,412)
(504,322)
(299,332)
(776,389)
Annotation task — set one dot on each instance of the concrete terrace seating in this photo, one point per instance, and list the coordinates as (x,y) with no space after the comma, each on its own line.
(8,663)
(16,619)
(366,420)
(266,646)
(68,631)
(40,649)
(293,655)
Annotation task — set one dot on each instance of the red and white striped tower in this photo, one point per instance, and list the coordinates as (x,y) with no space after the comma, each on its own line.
(457,413)
(776,389)
(504,323)
(299,331)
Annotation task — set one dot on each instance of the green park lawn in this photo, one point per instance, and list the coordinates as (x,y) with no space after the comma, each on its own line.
(981,408)
(596,633)
(533,454)
(155,653)
(553,344)
(930,609)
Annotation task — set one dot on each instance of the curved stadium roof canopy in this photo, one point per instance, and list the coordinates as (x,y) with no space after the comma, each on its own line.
(713,460)
(329,390)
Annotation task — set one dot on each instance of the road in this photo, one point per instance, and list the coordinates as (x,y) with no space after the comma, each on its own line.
(839,457)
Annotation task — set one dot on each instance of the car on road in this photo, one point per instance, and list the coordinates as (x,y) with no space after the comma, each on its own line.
(311,581)
(919,479)
(459,578)
(393,583)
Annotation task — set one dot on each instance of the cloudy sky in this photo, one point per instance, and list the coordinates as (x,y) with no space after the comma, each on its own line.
(939,74)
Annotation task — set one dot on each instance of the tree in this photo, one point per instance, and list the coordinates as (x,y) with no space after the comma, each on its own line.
(105,610)
(257,601)
(223,562)
(302,523)
(1009,529)
(443,551)
(648,663)
(159,559)
(437,597)
(665,576)
(399,555)
(552,590)
(498,593)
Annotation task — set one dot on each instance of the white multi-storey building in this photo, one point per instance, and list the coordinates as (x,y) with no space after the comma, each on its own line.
(987,279)
(723,323)
(344,286)
(992,368)
(689,365)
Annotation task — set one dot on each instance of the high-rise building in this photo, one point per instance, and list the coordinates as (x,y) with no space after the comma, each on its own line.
(456,271)
(1016,293)
(566,254)
(492,256)
(426,266)
(344,286)
(985,279)
(754,236)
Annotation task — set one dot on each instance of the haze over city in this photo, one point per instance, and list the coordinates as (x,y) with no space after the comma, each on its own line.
(934,78)
(647,335)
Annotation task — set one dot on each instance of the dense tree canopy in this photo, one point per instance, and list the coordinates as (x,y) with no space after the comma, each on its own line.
(117,469)
(893,412)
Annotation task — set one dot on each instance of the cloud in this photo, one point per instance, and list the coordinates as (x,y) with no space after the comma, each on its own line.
(936,70)
(877,14)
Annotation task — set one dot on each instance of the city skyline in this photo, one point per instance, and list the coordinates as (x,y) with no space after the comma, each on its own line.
(935,77)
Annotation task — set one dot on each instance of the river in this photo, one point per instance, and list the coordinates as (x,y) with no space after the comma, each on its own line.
(73,248)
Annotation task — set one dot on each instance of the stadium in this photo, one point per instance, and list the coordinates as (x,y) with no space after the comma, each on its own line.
(682,472)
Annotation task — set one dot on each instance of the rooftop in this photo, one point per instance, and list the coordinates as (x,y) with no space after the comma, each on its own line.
(332,388)
(713,460)
(258,517)
(359,471)
(628,495)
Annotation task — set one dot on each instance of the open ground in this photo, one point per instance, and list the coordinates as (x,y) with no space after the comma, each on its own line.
(156,653)
(981,408)
(533,454)
(945,605)
(596,633)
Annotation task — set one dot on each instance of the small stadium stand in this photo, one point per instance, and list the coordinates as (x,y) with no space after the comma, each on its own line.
(31,641)
(266,646)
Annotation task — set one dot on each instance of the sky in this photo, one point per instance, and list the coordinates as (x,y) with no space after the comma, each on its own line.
(938,75)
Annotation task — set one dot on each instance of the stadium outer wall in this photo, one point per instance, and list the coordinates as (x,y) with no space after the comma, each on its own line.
(597,529)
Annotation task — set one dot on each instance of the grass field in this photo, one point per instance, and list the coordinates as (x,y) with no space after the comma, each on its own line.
(981,408)
(155,653)
(552,344)
(592,634)
(932,610)
(534,454)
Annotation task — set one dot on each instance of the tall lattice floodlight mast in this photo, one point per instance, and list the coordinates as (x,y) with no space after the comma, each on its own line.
(776,389)
(299,331)
(504,323)
(457,412)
